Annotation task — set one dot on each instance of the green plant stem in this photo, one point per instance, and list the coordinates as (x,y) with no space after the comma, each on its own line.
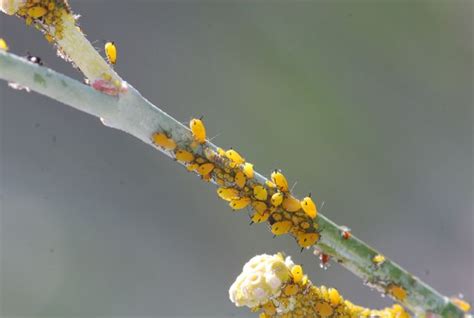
(135,115)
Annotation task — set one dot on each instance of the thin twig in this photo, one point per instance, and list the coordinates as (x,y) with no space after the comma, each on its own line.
(135,115)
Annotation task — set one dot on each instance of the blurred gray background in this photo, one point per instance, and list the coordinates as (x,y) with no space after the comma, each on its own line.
(367,105)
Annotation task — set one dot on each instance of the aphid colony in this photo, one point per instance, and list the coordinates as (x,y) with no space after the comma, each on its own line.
(275,287)
(46,15)
(56,21)
(271,202)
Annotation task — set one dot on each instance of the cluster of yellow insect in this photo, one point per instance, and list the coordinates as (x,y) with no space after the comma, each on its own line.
(56,21)
(47,16)
(275,287)
(323,302)
(270,201)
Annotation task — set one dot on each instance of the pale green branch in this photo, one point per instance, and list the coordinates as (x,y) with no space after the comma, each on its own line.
(135,115)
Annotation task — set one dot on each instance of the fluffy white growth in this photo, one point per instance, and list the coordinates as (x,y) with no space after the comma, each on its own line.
(11,6)
(260,280)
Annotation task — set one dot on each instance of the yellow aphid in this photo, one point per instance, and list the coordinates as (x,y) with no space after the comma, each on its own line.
(277,199)
(234,156)
(184,155)
(399,312)
(239,203)
(277,217)
(3,45)
(107,76)
(221,151)
(334,296)
(198,130)
(200,160)
(297,273)
(228,178)
(296,219)
(304,280)
(227,193)
(259,206)
(111,52)
(49,18)
(291,204)
(324,309)
(205,168)
(260,193)
(194,144)
(398,292)
(22,11)
(219,172)
(248,170)
(286,215)
(290,289)
(269,308)
(37,12)
(307,239)
(219,181)
(463,305)
(48,38)
(304,225)
(240,179)
(51,6)
(192,166)
(281,227)
(160,139)
(378,259)
(270,184)
(259,218)
(279,179)
(309,207)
